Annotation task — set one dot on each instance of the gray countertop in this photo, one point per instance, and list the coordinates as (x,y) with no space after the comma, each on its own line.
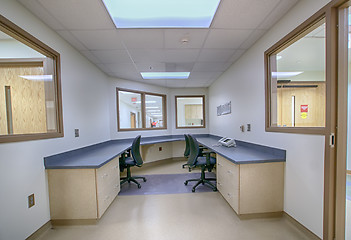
(97,155)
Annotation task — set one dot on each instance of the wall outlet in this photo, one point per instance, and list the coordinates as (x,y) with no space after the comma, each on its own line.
(159,149)
(248,127)
(76,132)
(242,128)
(31,200)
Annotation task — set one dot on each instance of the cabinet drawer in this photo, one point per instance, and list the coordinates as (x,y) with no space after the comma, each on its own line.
(107,184)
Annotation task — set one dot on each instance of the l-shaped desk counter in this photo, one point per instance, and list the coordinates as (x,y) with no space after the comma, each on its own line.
(85,181)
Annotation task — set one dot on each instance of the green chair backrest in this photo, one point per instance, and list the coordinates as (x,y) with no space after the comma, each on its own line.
(187,148)
(194,150)
(135,151)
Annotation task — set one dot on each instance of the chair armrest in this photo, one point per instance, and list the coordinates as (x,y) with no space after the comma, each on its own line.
(208,157)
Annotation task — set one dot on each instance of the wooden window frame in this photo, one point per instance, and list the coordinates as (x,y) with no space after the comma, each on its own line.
(285,42)
(203,110)
(24,37)
(143,110)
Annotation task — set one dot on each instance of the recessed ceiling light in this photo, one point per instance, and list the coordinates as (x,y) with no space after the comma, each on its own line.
(165,75)
(162,13)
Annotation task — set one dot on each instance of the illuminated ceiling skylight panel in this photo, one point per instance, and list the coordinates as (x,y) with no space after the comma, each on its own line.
(165,75)
(162,13)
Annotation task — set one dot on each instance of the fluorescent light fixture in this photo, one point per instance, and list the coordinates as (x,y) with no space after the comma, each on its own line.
(162,13)
(150,111)
(152,107)
(46,78)
(146,102)
(165,75)
(285,74)
(157,115)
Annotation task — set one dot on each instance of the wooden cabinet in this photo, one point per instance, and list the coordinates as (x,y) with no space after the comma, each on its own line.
(83,194)
(251,188)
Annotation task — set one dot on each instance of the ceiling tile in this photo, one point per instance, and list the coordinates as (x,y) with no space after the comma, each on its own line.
(77,14)
(226,38)
(281,9)
(142,38)
(196,84)
(42,13)
(103,68)
(151,67)
(215,55)
(112,56)
(211,66)
(159,82)
(90,56)
(68,36)
(128,75)
(121,67)
(147,55)
(99,39)
(204,76)
(242,14)
(195,37)
(179,55)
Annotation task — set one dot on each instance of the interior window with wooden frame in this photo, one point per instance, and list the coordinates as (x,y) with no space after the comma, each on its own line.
(296,83)
(30,90)
(190,111)
(140,110)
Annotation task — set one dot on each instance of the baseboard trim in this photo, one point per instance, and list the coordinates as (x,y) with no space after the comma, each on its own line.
(260,215)
(70,222)
(40,231)
(301,227)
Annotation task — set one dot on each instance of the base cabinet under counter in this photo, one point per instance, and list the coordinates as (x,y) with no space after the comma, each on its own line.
(251,188)
(82,194)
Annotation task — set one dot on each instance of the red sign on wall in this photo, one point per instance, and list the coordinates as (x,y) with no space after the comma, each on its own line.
(304,108)
(134,99)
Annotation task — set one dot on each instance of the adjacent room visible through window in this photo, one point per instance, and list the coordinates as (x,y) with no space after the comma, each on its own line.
(29,78)
(296,80)
(190,111)
(140,111)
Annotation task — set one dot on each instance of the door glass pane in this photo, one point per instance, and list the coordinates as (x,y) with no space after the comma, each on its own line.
(129,110)
(297,81)
(348,177)
(154,111)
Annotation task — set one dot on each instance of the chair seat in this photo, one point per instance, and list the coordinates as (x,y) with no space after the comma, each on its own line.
(202,161)
(129,161)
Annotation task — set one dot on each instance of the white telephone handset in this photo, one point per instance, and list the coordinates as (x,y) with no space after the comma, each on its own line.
(228,142)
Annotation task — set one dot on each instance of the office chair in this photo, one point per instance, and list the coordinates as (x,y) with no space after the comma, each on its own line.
(205,162)
(129,159)
(187,149)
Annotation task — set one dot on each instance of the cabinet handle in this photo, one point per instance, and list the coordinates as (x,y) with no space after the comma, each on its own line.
(219,183)
(116,186)
(105,175)
(107,197)
(229,195)
(230,172)
(116,167)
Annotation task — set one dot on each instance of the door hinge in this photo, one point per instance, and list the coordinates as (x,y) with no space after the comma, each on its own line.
(332,140)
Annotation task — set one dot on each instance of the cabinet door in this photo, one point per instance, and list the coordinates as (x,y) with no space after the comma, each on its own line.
(107,184)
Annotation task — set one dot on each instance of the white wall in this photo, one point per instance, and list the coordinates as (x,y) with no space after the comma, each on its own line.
(11,48)
(243,85)
(85,106)
(169,92)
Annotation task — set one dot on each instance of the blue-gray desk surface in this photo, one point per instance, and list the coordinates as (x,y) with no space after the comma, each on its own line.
(97,155)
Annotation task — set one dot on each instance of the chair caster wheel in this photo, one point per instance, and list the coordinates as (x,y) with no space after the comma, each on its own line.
(186,183)
(215,190)
(139,186)
(144,179)
(193,190)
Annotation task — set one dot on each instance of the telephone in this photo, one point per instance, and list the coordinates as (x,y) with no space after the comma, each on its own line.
(227,142)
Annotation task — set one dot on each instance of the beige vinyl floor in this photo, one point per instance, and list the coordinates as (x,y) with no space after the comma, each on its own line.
(175,217)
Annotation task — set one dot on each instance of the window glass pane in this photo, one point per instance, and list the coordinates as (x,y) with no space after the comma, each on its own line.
(28,102)
(190,111)
(298,83)
(154,111)
(129,110)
